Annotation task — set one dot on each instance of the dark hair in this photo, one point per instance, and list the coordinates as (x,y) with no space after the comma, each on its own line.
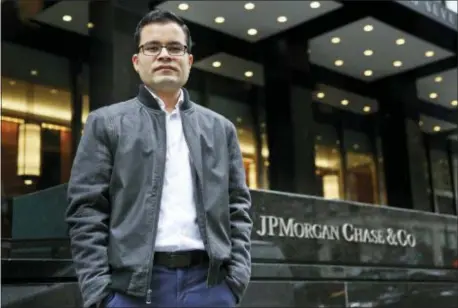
(159,16)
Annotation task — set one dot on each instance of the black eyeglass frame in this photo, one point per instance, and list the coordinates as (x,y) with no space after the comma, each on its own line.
(141,49)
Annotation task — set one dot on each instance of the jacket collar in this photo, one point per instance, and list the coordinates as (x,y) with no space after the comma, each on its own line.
(145,97)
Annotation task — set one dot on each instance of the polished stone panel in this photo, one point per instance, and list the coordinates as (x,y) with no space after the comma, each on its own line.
(38,270)
(320,294)
(402,295)
(303,229)
(41,295)
(384,294)
(295,228)
(272,294)
(427,295)
(289,269)
(350,273)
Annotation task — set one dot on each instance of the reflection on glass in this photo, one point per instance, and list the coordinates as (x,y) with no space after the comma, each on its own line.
(442,181)
(331,186)
(361,171)
(328,164)
(50,112)
(240,114)
(382,197)
(265,161)
(455,178)
(50,104)
(29,150)
(264,165)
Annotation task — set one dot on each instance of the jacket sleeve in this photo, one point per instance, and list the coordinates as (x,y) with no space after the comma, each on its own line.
(239,268)
(88,210)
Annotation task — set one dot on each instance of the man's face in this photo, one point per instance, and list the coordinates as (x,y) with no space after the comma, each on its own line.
(169,69)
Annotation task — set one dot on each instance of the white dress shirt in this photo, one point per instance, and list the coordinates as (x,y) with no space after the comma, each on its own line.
(177,228)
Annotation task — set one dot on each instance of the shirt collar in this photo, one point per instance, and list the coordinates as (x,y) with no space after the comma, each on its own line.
(161,102)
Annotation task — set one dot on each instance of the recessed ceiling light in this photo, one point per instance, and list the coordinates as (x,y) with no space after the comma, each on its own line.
(433,95)
(438,79)
(437,128)
(315,5)
(33,72)
(397,63)
(67,18)
(53,91)
(248,74)
(454,103)
(429,53)
(216,64)
(282,19)
(338,63)
(90,25)
(367,108)
(249,6)
(320,95)
(400,41)
(344,102)
(368,73)
(219,20)
(335,40)
(12,82)
(368,52)
(252,31)
(183,6)
(368,28)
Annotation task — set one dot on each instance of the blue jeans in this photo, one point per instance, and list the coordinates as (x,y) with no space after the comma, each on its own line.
(185,288)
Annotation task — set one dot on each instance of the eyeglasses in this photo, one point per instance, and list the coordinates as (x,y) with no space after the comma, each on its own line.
(174,49)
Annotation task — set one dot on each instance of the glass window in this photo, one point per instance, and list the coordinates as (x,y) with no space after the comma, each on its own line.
(328,163)
(240,114)
(263,165)
(361,175)
(36,136)
(442,181)
(36,155)
(10,134)
(455,178)
(382,197)
(427,178)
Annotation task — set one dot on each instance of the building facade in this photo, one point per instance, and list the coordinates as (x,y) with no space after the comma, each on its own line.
(347,117)
(344,101)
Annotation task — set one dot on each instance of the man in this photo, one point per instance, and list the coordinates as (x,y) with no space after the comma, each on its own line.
(158,205)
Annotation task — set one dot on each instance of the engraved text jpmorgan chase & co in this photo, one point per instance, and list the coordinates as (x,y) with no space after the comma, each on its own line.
(274,226)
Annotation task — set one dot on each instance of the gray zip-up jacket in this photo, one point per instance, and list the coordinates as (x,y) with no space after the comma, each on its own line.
(115,190)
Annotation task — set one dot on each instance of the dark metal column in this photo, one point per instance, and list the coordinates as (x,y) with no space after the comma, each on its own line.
(112,77)
(290,123)
(204,89)
(403,148)
(76,70)
(255,102)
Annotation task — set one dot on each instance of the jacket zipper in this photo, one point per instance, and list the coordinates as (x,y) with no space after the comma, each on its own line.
(149,291)
(203,224)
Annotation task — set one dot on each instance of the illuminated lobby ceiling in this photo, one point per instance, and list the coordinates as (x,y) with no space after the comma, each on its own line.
(440,88)
(366,49)
(369,50)
(236,18)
